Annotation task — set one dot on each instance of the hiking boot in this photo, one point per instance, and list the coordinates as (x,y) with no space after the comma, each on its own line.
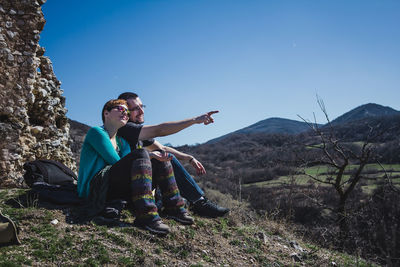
(157,227)
(207,208)
(182,218)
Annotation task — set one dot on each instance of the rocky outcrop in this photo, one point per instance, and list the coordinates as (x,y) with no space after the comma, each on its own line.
(77,132)
(33,122)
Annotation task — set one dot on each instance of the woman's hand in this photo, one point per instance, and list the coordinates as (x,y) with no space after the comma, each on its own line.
(160,155)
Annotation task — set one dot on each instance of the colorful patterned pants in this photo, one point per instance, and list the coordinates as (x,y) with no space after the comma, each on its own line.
(133,178)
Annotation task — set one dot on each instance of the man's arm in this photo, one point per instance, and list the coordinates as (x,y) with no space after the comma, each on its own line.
(180,155)
(168,128)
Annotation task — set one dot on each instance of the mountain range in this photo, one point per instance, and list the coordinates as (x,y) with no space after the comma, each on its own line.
(286,126)
(270,125)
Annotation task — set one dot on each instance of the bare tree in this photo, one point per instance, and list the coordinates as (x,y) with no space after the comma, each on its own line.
(338,157)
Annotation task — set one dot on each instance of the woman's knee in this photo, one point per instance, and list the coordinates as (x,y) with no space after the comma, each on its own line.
(140,153)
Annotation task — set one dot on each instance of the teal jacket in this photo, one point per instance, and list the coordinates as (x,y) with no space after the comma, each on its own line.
(96,153)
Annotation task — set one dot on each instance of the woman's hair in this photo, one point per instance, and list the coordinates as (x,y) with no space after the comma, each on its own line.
(112,103)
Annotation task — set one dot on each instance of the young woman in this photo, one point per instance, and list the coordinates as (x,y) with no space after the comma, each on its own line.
(109,170)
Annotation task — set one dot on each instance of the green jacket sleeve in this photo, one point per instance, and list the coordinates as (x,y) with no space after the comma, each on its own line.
(99,140)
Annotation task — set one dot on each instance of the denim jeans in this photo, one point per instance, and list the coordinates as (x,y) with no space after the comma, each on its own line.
(186,184)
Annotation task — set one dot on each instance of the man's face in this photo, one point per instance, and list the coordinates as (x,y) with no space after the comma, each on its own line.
(136,108)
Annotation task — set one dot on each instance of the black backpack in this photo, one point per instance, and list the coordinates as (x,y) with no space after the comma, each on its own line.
(48,171)
(52,181)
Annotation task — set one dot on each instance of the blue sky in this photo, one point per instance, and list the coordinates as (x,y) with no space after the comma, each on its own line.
(249,59)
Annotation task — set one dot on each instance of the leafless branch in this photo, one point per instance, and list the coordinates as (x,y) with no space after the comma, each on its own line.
(388,178)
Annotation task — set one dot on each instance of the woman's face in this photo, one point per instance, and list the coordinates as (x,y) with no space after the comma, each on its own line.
(118,115)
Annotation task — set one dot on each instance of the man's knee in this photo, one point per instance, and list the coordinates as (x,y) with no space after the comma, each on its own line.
(161,164)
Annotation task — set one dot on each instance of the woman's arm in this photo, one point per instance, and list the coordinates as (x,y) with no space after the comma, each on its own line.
(99,140)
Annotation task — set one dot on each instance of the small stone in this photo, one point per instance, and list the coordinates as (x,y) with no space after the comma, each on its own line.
(11,34)
(56,143)
(262,237)
(36,129)
(2,10)
(8,110)
(42,93)
(5,50)
(21,12)
(30,61)
(54,101)
(13,12)
(296,246)
(10,57)
(15,156)
(295,257)
(54,222)
(40,51)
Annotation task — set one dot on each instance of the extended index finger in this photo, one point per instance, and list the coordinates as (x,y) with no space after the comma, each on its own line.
(212,112)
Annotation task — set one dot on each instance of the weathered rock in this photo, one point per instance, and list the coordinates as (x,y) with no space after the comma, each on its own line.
(295,245)
(296,257)
(262,236)
(32,109)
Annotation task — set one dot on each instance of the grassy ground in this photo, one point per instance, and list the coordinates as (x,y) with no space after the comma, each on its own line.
(374,172)
(240,239)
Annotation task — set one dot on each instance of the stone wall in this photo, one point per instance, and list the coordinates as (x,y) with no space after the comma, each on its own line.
(33,123)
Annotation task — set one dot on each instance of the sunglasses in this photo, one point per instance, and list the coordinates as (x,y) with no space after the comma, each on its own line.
(121,109)
(137,108)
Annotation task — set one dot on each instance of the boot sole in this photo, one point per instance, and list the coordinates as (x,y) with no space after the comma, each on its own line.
(155,231)
(221,214)
(152,230)
(180,220)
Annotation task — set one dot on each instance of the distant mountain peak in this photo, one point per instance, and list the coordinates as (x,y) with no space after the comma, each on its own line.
(270,126)
(365,111)
(277,125)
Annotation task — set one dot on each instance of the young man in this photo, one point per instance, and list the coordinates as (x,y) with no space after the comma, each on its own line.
(139,135)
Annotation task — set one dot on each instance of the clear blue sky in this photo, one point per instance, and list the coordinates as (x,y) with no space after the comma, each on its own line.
(250,59)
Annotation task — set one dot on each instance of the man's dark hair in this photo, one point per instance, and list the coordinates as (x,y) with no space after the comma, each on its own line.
(127,95)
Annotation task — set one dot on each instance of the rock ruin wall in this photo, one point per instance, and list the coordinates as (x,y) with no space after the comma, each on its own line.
(33,122)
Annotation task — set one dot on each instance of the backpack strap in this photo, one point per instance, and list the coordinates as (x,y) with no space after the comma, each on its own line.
(64,168)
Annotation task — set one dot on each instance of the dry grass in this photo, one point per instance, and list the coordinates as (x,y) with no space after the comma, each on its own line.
(241,239)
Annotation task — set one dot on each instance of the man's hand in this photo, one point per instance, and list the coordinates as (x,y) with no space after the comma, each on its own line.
(198,166)
(206,118)
(160,155)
